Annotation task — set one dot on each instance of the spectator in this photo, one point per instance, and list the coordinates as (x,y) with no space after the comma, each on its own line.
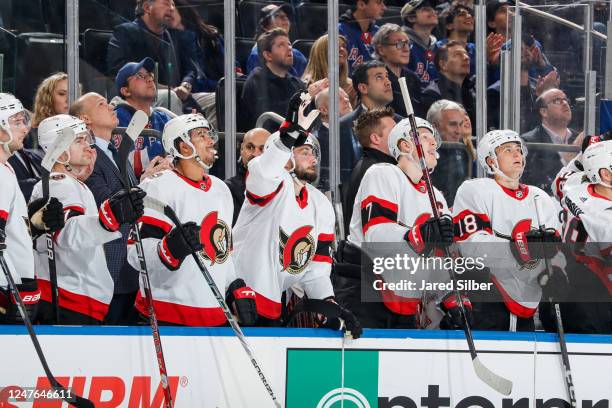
(315,75)
(269,88)
(420,21)
(276,16)
(371,81)
(210,46)
(101,119)
(454,82)
(148,36)
(357,26)
(322,134)
(555,115)
(136,85)
(454,164)
(392,46)
(460,26)
(372,129)
(252,146)
(51,99)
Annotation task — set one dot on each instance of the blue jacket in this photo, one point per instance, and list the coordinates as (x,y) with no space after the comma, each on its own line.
(299,62)
(133,41)
(358,44)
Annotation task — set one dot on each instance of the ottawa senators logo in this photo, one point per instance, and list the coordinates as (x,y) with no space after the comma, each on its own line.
(296,250)
(216,238)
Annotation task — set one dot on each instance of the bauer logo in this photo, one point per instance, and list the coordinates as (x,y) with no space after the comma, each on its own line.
(314,379)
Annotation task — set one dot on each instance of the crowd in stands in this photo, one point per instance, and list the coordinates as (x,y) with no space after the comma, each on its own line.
(169,61)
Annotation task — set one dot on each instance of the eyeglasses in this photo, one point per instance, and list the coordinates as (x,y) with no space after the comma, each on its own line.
(145,77)
(559,101)
(400,44)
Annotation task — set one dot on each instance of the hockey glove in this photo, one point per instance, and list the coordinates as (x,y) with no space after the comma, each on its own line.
(452,319)
(347,322)
(294,130)
(2,236)
(122,208)
(241,299)
(435,231)
(177,244)
(30,295)
(554,287)
(45,216)
(534,244)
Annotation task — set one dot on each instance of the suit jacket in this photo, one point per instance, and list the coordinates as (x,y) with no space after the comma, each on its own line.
(542,165)
(105,180)
(26,163)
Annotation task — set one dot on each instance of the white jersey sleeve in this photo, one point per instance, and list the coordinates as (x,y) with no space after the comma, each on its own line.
(266,173)
(472,219)
(569,176)
(316,279)
(377,205)
(80,230)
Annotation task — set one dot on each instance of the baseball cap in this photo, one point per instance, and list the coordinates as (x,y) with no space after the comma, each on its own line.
(271,9)
(493,6)
(412,6)
(130,69)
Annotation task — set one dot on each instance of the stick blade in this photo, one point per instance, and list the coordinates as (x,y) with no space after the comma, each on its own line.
(499,384)
(59,146)
(137,124)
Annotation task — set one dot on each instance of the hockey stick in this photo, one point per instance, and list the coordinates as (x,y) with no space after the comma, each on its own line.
(162,208)
(135,127)
(569,382)
(59,146)
(66,395)
(500,384)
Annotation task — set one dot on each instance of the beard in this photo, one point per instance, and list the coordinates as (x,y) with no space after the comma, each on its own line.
(309,175)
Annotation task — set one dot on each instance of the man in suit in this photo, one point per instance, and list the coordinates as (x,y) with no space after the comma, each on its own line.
(371,81)
(105,180)
(26,163)
(555,115)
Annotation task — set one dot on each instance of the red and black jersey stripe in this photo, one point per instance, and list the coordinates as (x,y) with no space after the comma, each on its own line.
(375,211)
(322,254)
(3,219)
(467,223)
(262,201)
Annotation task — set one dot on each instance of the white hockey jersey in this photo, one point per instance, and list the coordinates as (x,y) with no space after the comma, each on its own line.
(84,282)
(280,239)
(589,222)
(570,174)
(14,214)
(388,204)
(486,212)
(182,296)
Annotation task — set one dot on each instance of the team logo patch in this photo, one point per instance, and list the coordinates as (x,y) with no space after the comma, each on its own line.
(296,249)
(116,139)
(519,194)
(215,236)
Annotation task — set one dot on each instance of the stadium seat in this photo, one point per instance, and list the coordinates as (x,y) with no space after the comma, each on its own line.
(249,16)
(95,43)
(22,16)
(39,55)
(213,13)
(243,50)
(220,102)
(303,46)
(312,19)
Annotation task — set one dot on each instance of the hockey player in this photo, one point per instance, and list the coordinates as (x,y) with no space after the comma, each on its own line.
(501,211)
(286,226)
(204,204)
(84,284)
(15,239)
(392,205)
(588,236)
